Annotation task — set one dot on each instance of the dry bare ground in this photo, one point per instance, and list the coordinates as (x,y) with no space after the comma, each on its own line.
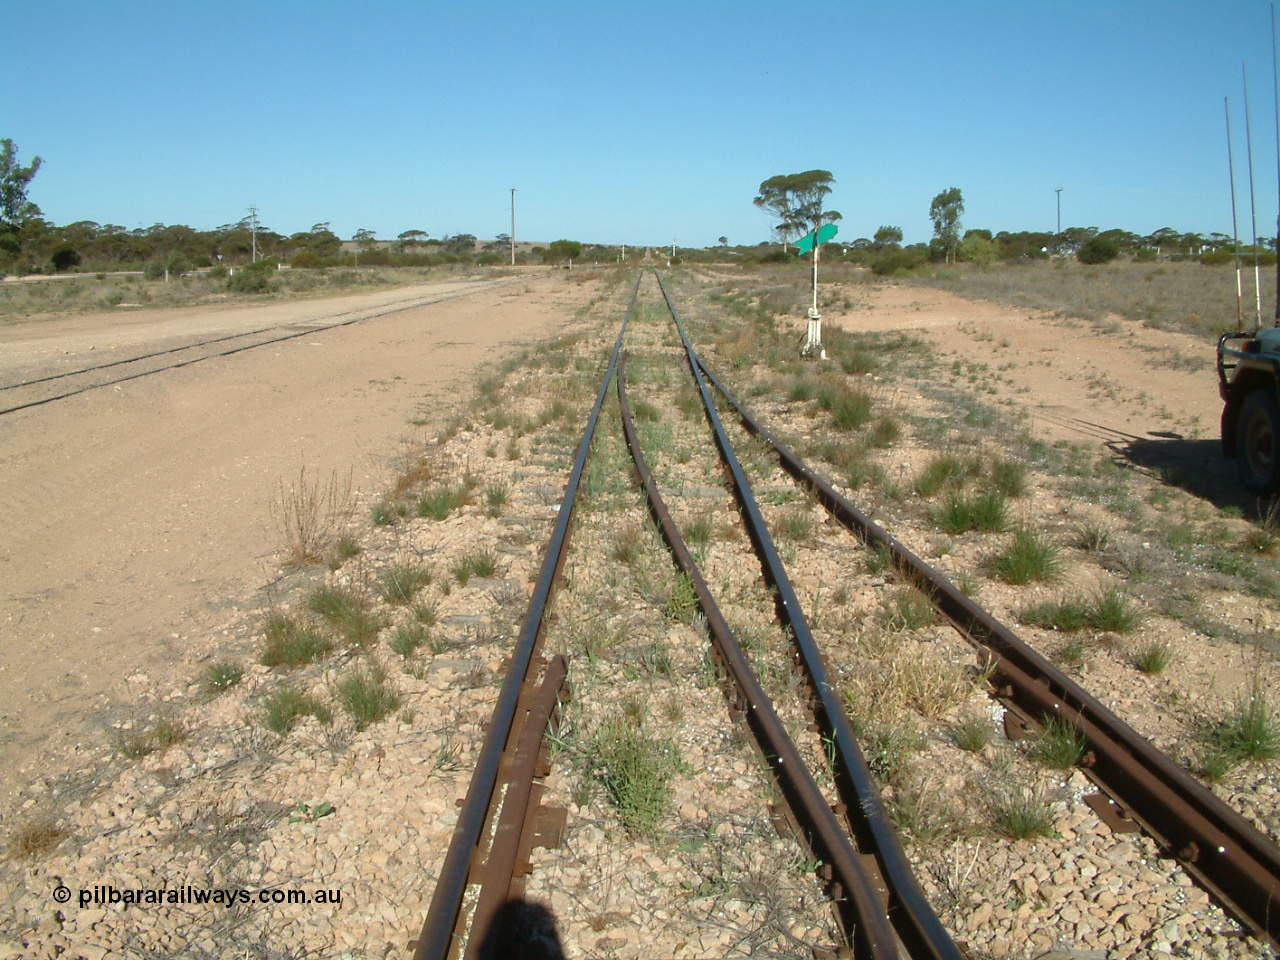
(136,521)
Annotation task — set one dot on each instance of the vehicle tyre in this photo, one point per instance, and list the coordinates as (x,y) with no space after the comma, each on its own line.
(1258,442)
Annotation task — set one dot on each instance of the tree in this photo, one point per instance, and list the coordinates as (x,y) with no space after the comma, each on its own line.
(411,238)
(64,258)
(460,244)
(1099,249)
(796,200)
(562,250)
(945,212)
(887,236)
(15,208)
(724,241)
(364,238)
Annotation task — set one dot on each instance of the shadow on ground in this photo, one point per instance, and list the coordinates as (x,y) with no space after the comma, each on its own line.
(1196,466)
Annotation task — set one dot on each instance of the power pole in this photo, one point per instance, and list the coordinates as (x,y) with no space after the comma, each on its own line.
(1253,209)
(513,226)
(1058,191)
(1235,226)
(253,227)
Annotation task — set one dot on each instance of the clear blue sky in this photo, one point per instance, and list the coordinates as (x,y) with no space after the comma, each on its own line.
(637,123)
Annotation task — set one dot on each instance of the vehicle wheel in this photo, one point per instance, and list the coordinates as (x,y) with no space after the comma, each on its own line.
(1258,442)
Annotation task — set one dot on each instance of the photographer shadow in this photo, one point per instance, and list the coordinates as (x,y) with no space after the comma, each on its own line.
(523,931)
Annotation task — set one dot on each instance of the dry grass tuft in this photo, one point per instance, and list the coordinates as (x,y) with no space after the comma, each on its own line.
(310,516)
(36,839)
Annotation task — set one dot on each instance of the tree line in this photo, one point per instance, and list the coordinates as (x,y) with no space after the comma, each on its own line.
(29,243)
(796,201)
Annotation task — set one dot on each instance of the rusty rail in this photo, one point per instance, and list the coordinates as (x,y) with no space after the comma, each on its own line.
(1214,843)
(440,934)
(909,910)
(852,890)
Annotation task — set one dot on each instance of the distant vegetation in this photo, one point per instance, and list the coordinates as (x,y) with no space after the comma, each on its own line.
(30,244)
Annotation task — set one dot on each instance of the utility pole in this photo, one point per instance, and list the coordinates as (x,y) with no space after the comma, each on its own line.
(1235,226)
(1253,210)
(513,226)
(1058,191)
(253,227)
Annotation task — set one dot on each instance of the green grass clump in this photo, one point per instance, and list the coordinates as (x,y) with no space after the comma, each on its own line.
(344,548)
(221,676)
(139,741)
(907,608)
(945,470)
(401,582)
(1249,733)
(286,705)
(1020,813)
(1112,610)
(889,747)
(643,410)
(796,524)
(407,638)
(985,511)
(496,496)
(475,563)
(348,612)
(1093,537)
(682,601)
(699,530)
(1009,477)
(850,407)
(1060,745)
(290,643)
(1153,658)
(438,502)
(1067,615)
(366,695)
(885,432)
(636,770)
(1030,558)
(425,613)
(973,733)
(1108,610)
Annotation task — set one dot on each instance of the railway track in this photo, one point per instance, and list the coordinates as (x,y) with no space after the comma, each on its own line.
(834,807)
(37,391)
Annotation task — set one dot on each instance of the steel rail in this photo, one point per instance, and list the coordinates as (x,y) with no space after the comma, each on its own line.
(910,911)
(853,892)
(360,316)
(439,928)
(499,882)
(1215,844)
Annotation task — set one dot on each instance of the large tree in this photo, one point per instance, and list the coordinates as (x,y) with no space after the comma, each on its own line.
(945,212)
(15,208)
(796,200)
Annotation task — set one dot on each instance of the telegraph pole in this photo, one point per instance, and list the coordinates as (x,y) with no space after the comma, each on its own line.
(1058,191)
(1235,226)
(1253,209)
(513,226)
(253,228)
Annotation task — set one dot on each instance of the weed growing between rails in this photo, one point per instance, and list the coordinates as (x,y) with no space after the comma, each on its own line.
(670,840)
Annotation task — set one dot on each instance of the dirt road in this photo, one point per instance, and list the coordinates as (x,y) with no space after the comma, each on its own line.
(134,518)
